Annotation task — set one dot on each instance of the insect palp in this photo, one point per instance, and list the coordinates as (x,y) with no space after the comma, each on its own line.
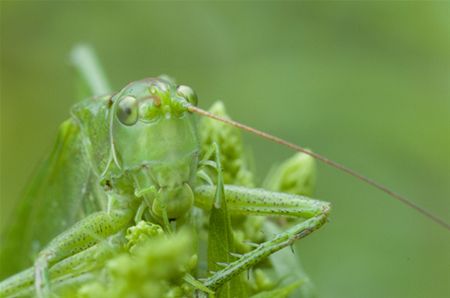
(205,177)
(208,163)
(149,190)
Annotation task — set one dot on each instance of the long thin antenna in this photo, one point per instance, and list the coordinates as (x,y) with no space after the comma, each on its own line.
(323,159)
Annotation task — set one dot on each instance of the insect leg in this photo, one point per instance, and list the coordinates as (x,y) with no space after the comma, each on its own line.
(66,271)
(79,237)
(248,201)
(257,201)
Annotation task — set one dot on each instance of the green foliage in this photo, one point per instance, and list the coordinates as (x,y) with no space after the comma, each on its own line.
(296,175)
(141,232)
(282,292)
(232,155)
(154,267)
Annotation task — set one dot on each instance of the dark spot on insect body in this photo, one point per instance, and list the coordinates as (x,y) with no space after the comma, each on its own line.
(107,185)
(110,102)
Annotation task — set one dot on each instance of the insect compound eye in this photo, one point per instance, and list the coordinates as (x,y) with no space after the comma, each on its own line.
(127,110)
(187,93)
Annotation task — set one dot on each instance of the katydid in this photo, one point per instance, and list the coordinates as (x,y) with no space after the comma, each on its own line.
(135,155)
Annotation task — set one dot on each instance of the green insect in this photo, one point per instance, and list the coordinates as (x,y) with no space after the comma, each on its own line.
(136,156)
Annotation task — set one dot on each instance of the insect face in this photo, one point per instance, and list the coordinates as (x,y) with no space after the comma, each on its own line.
(155,138)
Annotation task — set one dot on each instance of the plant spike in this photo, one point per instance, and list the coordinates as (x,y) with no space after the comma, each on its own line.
(402,199)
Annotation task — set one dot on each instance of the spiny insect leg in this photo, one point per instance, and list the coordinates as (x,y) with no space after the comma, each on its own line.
(79,237)
(265,249)
(249,201)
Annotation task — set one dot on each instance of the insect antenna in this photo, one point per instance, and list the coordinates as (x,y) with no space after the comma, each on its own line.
(325,160)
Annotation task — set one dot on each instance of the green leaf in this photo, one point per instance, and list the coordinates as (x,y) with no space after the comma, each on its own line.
(220,241)
(279,293)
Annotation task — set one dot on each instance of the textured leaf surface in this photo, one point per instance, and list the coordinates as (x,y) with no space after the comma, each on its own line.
(221,242)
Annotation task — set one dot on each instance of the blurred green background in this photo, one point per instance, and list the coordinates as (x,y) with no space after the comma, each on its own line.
(366,84)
